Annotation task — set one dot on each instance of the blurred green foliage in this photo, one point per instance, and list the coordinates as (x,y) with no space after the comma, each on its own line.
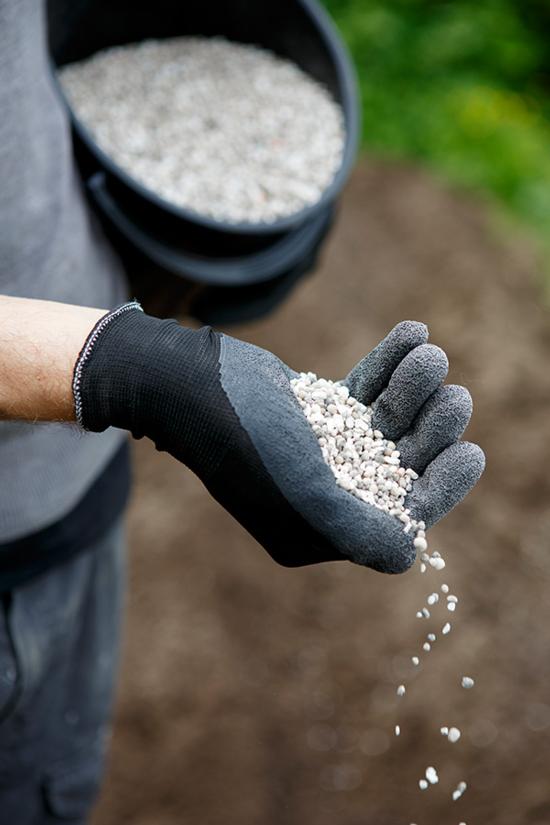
(463,86)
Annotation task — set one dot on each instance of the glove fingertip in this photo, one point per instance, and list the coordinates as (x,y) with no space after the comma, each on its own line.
(458,398)
(447,481)
(412,332)
(432,360)
(474,460)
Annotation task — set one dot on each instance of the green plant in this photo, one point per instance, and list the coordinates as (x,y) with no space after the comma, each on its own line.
(463,87)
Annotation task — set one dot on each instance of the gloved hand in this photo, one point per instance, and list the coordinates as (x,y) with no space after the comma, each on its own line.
(226,409)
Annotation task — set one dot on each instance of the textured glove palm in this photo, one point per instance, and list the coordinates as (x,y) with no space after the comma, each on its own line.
(226,409)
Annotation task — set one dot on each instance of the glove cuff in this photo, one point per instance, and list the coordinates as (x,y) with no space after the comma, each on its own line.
(86,352)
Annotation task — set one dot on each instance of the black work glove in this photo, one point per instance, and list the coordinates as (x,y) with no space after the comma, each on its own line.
(226,409)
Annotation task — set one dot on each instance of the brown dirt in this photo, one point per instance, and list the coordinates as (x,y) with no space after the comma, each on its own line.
(256,695)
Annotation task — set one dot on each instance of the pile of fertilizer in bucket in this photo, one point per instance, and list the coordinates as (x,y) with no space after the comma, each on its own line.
(230,131)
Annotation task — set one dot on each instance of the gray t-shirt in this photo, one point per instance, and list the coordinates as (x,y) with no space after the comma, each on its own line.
(51,248)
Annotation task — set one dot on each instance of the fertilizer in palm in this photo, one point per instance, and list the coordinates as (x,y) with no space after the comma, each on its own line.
(363,462)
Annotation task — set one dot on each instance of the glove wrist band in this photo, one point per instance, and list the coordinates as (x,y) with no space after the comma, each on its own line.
(87,349)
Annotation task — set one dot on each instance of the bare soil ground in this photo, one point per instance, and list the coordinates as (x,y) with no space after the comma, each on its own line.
(256,695)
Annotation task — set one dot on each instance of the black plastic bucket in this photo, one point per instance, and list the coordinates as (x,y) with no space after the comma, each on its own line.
(177,240)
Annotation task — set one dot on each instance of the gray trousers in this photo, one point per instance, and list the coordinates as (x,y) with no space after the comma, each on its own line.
(59,647)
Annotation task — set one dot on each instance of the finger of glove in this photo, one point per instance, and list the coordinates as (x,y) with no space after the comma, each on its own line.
(416,378)
(440,423)
(446,481)
(369,377)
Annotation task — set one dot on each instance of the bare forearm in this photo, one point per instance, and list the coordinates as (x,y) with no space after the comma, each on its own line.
(39,344)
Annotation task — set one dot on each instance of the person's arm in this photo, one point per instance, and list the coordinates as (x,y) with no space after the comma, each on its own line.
(39,344)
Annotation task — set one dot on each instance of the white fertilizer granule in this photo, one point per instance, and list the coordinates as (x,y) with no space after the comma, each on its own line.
(431,776)
(437,562)
(453,735)
(467,682)
(228,130)
(363,462)
(461,787)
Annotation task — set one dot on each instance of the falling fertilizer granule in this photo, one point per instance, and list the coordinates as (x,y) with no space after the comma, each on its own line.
(228,130)
(459,791)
